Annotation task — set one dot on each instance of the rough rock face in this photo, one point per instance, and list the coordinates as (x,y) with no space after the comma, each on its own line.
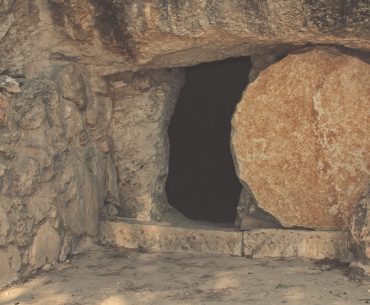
(179,32)
(143,105)
(360,229)
(301,138)
(118,35)
(82,132)
(51,175)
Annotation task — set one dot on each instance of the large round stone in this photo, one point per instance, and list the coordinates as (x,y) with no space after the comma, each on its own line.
(301,138)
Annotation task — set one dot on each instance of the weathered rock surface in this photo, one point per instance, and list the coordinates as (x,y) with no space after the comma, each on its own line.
(3,109)
(111,36)
(301,138)
(9,84)
(176,33)
(10,263)
(151,236)
(143,105)
(155,236)
(83,133)
(360,229)
(52,184)
(46,246)
(296,243)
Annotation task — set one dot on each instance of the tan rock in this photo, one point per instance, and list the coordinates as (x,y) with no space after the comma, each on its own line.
(159,237)
(296,243)
(10,263)
(4,227)
(46,246)
(9,84)
(3,109)
(301,138)
(141,115)
(80,210)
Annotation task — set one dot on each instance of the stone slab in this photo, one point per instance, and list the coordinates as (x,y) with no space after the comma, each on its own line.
(301,138)
(258,243)
(285,243)
(10,263)
(160,237)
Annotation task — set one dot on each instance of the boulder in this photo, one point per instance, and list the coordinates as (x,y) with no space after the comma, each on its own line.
(301,138)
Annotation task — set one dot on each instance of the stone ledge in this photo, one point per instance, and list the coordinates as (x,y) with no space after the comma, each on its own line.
(161,237)
(258,243)
(316,245)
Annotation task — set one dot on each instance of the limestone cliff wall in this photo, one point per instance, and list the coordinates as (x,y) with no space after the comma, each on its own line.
(71,148)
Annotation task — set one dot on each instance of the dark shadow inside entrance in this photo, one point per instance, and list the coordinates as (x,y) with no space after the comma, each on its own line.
(202,183)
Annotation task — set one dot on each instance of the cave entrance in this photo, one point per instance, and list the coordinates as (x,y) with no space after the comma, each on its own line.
(202,183)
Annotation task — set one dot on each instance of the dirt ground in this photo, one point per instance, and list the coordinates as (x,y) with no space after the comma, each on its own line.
(108,276)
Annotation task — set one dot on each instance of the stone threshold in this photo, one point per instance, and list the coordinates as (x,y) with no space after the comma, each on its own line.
(213,239)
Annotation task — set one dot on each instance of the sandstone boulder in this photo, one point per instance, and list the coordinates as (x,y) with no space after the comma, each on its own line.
(301,138)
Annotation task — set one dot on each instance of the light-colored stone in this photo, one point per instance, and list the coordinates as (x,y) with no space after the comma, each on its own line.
(159,237)
(296,243)
(46,246)
(10,263)
(80,208)
(3,109)
(141,114)
(301,138)
(158,33)
(78,107)
(9,84)
(40,204)
(279,243)
(73,86)
(112,203)
(4,227)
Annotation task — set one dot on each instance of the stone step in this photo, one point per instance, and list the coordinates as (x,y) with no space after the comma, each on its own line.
(166,237)
(317,245)
(258,243)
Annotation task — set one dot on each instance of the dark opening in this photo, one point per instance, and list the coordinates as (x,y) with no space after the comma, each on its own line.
(202,183)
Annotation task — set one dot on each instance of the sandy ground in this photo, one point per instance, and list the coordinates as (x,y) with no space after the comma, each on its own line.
(108,276)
